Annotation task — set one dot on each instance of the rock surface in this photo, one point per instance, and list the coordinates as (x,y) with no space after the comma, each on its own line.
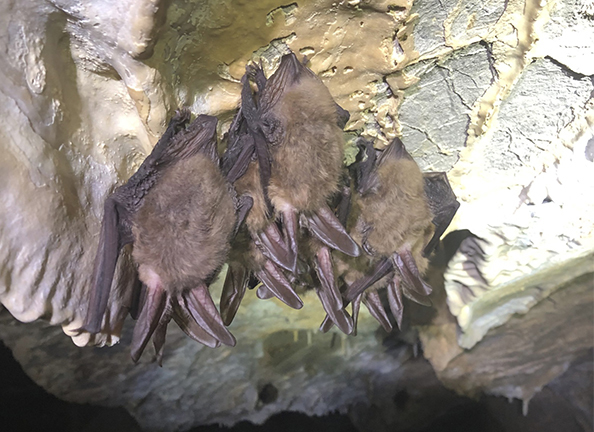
(498,94)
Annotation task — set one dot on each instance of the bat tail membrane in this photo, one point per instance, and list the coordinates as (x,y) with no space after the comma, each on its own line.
(276,282)
(161,154)
(342,115)
(372,301)
(239,151)
(234,167)
(251,115)
(343,208)
(243,205)
(288,72)
(364,169)
(236,282)
(177,123)
(256,73)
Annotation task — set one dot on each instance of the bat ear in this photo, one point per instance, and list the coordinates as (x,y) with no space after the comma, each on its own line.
(288,72)
(364,168)
(329,293)
(290,66)
(395,150)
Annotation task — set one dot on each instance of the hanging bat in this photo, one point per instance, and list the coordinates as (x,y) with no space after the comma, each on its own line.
(248,257)
(180,214)
(398,216)
(296,120)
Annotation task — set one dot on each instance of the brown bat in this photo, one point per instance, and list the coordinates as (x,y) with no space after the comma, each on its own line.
(246,164)
(293,130)
(398,216)
(180,214)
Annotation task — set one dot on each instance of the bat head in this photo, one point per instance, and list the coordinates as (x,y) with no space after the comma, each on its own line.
(288,73)
(363,170)
(394,151)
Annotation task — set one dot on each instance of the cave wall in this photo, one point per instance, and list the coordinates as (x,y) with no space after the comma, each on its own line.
(498,94)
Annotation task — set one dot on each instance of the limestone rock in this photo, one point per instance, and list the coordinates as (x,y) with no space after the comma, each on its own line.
(499,94)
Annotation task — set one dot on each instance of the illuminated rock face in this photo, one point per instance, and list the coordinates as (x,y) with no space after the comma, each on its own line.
(496,93)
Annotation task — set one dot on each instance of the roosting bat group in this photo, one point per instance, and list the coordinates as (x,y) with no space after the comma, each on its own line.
(279,208)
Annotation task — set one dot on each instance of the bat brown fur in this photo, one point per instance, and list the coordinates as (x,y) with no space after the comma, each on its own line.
(183,229)
(298,119)
(307,163)
(179,213)
(397,214)
(391,219)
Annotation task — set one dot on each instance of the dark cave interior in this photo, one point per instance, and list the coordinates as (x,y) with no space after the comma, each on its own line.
(27,407)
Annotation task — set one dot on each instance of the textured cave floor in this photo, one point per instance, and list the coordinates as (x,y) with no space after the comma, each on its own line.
(24,406)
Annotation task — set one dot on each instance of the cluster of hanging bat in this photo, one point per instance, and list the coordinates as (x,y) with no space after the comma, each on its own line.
(279,207)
